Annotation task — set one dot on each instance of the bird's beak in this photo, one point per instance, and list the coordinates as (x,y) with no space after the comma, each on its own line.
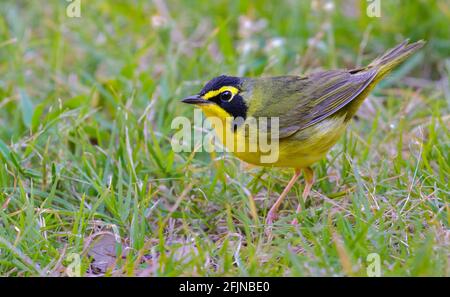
(196,99)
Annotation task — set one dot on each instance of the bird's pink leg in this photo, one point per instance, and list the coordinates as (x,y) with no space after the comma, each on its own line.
(309,181)
(272,215)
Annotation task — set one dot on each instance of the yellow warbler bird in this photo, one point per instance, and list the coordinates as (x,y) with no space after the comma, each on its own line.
(312,112)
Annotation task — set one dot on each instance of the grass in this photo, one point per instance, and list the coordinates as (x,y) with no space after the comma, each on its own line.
(87,171)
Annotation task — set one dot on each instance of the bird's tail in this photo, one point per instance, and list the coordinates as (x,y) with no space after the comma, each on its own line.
(394,57)
(382,66)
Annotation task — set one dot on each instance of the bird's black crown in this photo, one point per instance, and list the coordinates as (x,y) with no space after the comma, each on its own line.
(220,81)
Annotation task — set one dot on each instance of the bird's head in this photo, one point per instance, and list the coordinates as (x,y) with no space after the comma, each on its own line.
(221,97)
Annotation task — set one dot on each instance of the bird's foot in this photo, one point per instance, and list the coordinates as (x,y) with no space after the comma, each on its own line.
(271,217)
(295,220)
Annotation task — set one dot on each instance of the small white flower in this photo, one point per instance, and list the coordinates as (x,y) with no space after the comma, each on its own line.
(159,21)
(329,6)
(276,42)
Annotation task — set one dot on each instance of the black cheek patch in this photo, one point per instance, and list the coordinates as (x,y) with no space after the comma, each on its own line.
(237,108)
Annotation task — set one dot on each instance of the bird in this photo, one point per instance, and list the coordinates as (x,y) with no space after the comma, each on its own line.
(312,113)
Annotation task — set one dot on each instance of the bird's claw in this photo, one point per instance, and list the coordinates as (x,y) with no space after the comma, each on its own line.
(271,217)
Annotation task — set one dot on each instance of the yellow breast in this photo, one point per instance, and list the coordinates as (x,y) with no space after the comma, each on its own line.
(296,151)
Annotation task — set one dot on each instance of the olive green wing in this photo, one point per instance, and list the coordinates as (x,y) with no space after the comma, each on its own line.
(301,102)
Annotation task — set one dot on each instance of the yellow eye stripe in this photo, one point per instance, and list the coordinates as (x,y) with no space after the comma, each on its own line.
(214,93)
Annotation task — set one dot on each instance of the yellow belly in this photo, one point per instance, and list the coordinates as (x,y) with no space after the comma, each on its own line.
(299,150)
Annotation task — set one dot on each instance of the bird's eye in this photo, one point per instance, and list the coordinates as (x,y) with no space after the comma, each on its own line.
(226,96)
